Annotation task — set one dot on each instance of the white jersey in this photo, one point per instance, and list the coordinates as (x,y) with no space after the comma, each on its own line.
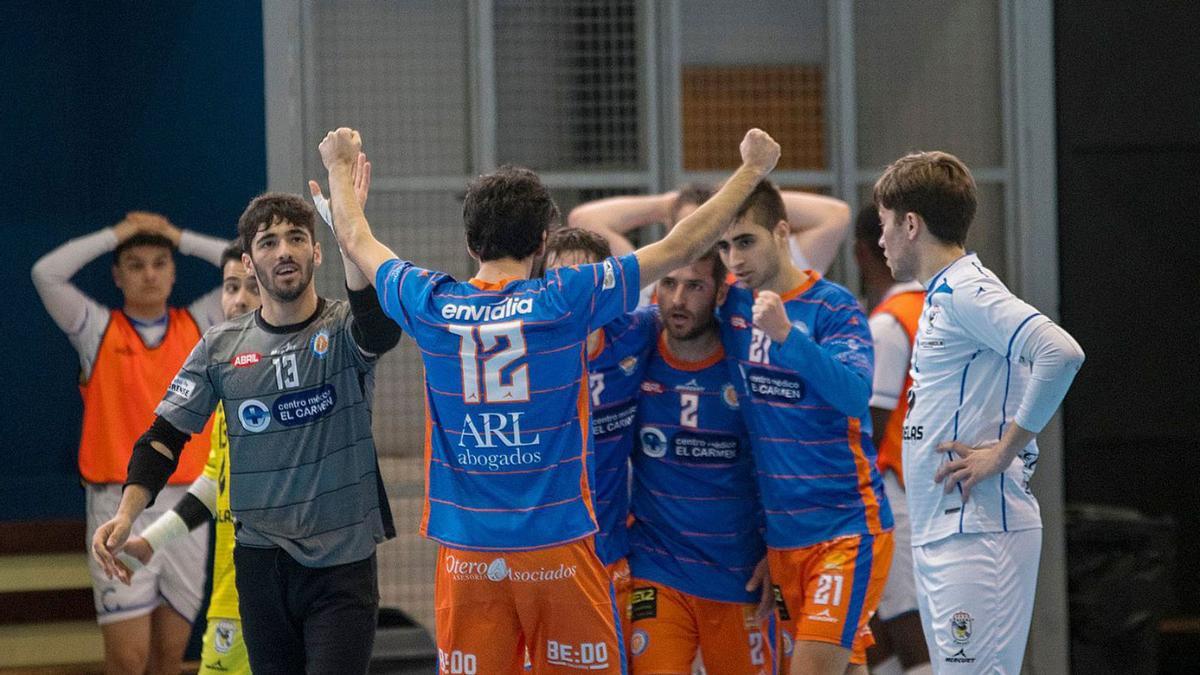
(968,379)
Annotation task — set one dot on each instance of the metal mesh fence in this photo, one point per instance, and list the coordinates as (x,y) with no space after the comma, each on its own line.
(567,83)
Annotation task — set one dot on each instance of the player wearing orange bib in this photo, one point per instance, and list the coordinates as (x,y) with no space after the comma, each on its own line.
(508,440)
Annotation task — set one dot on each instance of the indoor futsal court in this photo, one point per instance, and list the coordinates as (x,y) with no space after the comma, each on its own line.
(689,337)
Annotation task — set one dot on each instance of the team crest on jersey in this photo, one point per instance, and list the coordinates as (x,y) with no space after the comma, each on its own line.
(320,344)
(628,364)
(729,396)
(254,415)
(224,635)
(960,627)
(638,642)
(654,442)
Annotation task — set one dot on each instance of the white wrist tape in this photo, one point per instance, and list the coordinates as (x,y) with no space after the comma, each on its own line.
(168,527)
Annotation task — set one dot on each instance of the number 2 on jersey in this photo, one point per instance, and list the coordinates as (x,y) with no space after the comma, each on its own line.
(477,347)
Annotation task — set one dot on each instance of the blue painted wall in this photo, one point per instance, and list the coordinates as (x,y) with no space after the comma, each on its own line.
(108,107)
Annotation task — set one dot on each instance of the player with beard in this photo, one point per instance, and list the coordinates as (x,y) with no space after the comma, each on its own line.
(696,534)
(296,377)
(803,356)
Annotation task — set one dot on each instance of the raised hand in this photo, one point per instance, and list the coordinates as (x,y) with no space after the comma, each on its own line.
(770,315)
(759,151)
(341,147)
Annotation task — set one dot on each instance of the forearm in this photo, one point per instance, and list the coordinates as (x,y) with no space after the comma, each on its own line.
(372,329)
(613,218)
(202,246)
(839,385)
(155,457)
(351,227)
(1056,358)
(818,225)
(52,274)
(134,500)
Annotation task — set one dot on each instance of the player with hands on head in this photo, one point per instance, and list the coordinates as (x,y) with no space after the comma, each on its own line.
(509,442)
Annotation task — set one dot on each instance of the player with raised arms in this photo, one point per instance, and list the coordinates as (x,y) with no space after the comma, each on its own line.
(508,440)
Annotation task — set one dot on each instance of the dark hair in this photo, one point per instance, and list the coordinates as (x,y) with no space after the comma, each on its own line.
(764,206)
(506,212)
(232,252)
(718,266)
(576,239)
(689,193)
(868,229)
(934,185)
(274,207)
(141,239)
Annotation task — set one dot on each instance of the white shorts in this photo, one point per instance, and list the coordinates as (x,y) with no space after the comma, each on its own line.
(174,576)
(900,593)
(976,598)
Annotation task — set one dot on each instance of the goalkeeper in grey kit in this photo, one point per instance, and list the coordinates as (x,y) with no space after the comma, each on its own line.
(296,380)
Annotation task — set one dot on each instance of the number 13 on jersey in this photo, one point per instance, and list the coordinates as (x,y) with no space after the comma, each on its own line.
(491,348)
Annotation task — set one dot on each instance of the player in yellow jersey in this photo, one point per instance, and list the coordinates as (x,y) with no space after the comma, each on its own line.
(208,497)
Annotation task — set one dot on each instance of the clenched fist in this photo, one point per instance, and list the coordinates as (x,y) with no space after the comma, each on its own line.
(340,148)
(771,317)
(759,151)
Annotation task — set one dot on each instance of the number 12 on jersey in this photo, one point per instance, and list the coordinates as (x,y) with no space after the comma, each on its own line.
(478,351)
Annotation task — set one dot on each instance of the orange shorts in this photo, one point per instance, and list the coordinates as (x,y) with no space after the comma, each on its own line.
(828,592)
(669,627)
(554,605)
(622,582)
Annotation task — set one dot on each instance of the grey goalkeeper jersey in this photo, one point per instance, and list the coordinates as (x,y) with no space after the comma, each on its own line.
(303,471)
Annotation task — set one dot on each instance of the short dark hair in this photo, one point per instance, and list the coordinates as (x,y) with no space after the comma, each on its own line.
(719,273)
(274,207)
(868,229)
(764,206)
(689,193)
(934,185)
(141,239)
(577,239)
(506,212)
(232,252)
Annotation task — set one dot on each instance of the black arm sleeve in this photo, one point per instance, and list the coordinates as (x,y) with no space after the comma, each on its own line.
(193,511)
(149,467)
(372,329)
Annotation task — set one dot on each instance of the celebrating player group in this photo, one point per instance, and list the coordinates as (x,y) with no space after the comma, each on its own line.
(653,462)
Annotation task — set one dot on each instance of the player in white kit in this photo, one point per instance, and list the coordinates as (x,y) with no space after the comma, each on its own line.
(988,373)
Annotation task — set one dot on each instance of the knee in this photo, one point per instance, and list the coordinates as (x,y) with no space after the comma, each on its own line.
(126,659)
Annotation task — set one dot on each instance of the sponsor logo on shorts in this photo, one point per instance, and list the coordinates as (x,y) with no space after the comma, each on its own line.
(638,642)
(914,432)
(500,570)
(254,415)
(182,387)
(643,603)
(781,606)
(108,599)
(320,344)
(582,656)
(823,616)
(789,644)
(654,442)
(652,387)
(960,656)
(246,359)
(456,662)
(224,636)
(960,627)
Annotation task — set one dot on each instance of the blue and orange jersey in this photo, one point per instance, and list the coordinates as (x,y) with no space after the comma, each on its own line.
(508,435)
(615,372)
(805,403)
(697,523)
